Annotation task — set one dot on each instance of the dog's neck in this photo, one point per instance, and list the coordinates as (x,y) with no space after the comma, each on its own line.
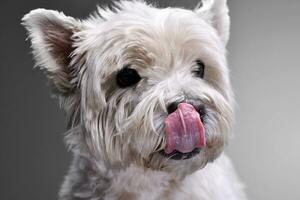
(137,182)
(91,179)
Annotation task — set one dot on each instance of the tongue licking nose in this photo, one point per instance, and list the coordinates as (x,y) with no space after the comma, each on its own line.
(184,130)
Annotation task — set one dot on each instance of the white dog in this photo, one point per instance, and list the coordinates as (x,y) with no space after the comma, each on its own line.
(148,99)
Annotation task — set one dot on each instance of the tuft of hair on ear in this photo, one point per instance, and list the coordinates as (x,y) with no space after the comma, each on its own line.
(52,38)
(216,12)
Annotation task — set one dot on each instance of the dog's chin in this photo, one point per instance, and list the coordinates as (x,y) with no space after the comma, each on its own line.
(182,164)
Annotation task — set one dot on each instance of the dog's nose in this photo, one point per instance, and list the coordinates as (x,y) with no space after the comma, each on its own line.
(172,107)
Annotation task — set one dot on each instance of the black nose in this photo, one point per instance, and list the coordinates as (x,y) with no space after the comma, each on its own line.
(172,107)
(200,109)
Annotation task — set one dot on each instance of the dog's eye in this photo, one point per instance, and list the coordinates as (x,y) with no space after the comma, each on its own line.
(199,72)
(127,77)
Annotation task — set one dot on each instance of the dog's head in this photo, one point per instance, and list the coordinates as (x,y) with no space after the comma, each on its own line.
(140,84)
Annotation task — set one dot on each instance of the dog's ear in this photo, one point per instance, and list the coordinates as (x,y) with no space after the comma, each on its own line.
(216,12)
(51,34)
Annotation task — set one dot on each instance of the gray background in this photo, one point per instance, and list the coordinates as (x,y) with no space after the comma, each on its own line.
(264,58)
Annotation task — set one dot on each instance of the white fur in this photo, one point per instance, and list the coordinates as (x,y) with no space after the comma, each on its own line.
(116,133)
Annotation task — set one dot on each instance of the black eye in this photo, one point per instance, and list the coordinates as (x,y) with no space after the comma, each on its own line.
(199,72)
(127,77)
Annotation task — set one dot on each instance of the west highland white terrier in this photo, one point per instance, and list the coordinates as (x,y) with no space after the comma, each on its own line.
(148,100)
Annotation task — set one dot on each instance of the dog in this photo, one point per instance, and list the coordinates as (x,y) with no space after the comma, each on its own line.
(148,99)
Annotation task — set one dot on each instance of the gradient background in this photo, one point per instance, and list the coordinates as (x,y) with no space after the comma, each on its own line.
(264,58)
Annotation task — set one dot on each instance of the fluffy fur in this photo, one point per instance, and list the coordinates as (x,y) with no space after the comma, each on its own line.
(116,133)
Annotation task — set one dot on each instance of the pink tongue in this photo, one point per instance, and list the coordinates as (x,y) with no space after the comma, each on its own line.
(184,130)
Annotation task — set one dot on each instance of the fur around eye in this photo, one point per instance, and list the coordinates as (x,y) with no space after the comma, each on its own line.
(127,77)
(199,72)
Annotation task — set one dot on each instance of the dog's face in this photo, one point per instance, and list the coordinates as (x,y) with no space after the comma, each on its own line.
(140,84)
